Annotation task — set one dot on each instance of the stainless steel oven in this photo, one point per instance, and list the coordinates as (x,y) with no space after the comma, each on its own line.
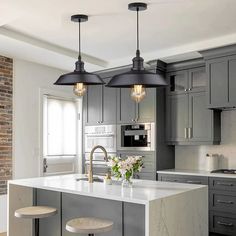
(136,137)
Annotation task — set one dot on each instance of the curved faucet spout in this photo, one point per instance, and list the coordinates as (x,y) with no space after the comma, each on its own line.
(90,174)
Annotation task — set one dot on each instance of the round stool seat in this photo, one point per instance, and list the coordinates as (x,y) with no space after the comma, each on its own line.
(35,212)
(89,225)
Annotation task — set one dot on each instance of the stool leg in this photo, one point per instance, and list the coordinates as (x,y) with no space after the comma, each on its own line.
(91,235)
(36,227)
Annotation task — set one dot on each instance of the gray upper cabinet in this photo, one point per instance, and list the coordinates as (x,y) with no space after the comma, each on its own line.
(221,76)
(178,82)
(146,108)
(126,107)
(100,105)
(177,118)
(93,105)
(189,122)
(129,111)
(109,105)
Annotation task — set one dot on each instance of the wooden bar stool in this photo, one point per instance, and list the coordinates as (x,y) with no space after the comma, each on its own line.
(35,213)
(89,225)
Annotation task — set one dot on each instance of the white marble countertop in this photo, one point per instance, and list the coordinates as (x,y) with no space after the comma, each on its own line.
(195,173)
(142,192)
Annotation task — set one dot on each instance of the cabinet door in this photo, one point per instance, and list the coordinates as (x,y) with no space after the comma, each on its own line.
(93,103)
(200,118)
(177,118)
(217,71)
(232,81)
(178,82)
(146,108)
(197,79)
(109,105)
(126,108)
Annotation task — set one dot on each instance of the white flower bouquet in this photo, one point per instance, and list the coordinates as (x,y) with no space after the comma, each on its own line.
(126,168)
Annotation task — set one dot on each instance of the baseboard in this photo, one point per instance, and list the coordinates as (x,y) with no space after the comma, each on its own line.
(3,234)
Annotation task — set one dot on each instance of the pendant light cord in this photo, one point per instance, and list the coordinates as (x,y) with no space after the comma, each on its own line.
(79,42)
(137,29)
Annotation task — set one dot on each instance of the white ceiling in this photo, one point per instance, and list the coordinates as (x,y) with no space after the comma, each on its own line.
(41,31)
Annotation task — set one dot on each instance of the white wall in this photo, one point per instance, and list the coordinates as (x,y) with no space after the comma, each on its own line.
(3,213)
(193,157)
(29,79)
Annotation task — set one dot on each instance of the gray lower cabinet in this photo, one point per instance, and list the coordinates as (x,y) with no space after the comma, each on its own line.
(188,179)
(149,169)
(128,218)
(51,225)
(129,111)
(222,200)
(189,122)
(222,205)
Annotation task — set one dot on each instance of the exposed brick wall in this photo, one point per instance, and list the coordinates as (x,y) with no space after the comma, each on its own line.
(6,73)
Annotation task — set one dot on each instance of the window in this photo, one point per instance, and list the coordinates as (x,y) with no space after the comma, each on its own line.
(60,127)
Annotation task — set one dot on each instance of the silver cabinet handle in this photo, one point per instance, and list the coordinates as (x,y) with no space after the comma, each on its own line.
(185,90)
(225,224)
(189,133)
(185,133)
(225,202)
(189,89)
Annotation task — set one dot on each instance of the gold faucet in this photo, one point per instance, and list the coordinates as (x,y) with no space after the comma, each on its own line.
(90,172)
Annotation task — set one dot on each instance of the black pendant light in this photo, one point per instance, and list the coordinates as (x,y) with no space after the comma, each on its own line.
(79,77)
(137,78)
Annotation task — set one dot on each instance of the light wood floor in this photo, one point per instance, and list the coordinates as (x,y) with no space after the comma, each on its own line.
(3,234)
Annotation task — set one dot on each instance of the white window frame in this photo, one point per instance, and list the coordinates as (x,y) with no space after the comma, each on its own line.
(77,159)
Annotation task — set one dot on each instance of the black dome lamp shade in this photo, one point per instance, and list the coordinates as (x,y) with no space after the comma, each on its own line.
(79,77)
(137,78)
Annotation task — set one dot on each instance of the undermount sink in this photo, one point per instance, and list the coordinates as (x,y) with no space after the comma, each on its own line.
(95,179)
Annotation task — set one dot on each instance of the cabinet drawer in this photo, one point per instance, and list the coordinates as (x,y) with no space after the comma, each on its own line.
(147,176)
(222,223)
(183,179)
(225,184)
(223,201)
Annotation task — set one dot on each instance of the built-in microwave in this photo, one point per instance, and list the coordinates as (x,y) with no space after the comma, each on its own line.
(136,137)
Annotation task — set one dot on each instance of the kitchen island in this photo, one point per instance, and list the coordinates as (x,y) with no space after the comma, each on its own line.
(149,208)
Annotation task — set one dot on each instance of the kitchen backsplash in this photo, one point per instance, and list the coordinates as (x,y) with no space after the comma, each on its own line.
(194,157)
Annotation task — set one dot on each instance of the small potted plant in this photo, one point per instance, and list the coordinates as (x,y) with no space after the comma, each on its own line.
(125,168)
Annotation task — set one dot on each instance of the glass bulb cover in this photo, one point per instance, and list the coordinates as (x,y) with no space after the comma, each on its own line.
(80,89)
(138,93)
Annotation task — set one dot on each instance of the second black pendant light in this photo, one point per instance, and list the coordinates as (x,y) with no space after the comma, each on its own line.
(137,78)
(79,77)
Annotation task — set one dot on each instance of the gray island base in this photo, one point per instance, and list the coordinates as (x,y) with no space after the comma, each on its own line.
(149,208)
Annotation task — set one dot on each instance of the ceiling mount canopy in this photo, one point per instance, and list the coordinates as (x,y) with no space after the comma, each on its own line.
(137,78)
(79,77)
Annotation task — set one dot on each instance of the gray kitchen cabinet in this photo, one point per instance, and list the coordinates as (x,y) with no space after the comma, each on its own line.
(202,125)
(222,200)
(93,105)
(132,112)
(178,82)
(221,73)
(149,160)
(189,122)
(100,105)
(186,80)
(177,118)
(126,107)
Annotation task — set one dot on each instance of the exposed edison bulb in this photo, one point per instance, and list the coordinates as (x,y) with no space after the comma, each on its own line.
(138,92)
(80,89)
